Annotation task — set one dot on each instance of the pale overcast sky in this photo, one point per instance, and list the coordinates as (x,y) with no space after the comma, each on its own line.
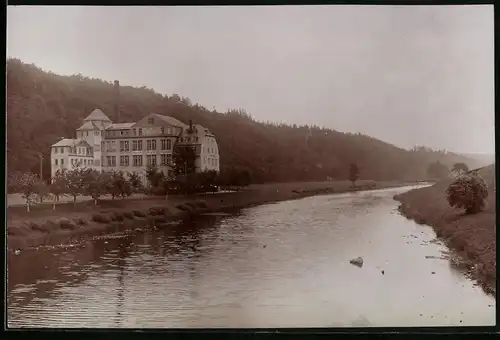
(405,74)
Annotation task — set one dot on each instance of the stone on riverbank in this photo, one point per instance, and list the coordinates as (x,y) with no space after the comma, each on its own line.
(358,261)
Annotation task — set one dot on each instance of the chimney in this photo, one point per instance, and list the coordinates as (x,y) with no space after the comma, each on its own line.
(117,101)
(190,126)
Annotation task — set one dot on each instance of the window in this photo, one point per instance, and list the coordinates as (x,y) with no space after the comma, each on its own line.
(169,131)
(56,161)
(169,159)
(137,145)
(123,146)
(151,160)
(151,144)
(169,144)
(87,133)
(62,149)
(151,121)
(137,159)
(124,161)
(163,159)
(164,144)
(111,160)
(162,131)
(62,161)
(140,132)
(55,149)
(84,162)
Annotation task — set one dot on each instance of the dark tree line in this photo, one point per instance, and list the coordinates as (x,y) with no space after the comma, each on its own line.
(42,107)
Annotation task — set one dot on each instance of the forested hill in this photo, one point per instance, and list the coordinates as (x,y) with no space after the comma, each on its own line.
(43,106)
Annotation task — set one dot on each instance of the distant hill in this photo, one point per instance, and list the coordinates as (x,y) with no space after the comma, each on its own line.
(482,159)
(43,106)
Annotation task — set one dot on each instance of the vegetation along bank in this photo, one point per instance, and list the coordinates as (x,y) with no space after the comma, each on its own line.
(462,212)
(72,223)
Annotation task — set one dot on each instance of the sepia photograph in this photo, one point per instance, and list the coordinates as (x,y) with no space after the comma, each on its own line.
(194,167)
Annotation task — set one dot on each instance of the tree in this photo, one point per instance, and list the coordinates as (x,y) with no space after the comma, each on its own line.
(76,184)
(353,173)
(460,168)
(469,192)
(154,176)
(135,182)
(437,170)
(119,186)
(58,187)
(27,186)
(41,190)
(184,158)
(98,183)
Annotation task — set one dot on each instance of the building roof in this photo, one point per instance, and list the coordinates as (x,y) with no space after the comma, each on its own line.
(70,142)
(120,126)
(89,125)
(97,115)
(170,120)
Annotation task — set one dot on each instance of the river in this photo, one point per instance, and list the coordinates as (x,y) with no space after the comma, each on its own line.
(277,265)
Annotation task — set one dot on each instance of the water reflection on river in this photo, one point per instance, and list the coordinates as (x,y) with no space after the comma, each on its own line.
(279,265)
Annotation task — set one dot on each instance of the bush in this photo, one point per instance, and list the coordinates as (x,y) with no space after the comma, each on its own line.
(100,218)
(79,221)
(138,213)
(64,223)
(156,211)
(183,207)
(116,216)
(467,192)
(40,227)
(128,215)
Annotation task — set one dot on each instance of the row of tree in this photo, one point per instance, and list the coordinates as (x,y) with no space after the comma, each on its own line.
(74,183)
(82,181)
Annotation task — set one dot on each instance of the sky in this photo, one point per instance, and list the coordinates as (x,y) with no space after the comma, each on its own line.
(409,75)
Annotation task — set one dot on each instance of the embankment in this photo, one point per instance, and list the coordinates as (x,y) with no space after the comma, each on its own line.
(473,237)
(73,223)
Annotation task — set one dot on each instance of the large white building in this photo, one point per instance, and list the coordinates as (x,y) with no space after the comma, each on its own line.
(130,147)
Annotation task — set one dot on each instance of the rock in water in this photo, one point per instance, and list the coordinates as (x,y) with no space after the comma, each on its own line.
(358,261)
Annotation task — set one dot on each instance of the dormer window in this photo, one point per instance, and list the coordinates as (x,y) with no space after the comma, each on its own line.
(151,121)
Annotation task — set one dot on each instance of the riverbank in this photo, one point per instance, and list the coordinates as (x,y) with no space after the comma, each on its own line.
(73,223)
(473,237)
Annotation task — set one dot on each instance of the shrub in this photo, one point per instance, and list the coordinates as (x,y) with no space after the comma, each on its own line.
(79,221)
(138,213)
(116,216)
(182,207)
(128,215)
(468,192)
(100,218)
(64,223)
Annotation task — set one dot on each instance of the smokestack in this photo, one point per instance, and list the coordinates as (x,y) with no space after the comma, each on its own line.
(190,125)
(117,101)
